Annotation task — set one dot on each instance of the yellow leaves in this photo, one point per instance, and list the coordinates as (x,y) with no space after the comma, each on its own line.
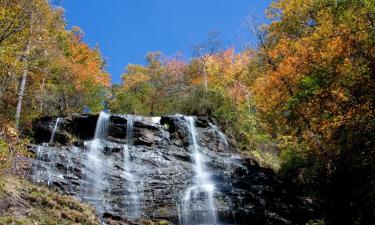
(282,48)
(288,8)
(296,55)
(86,64)
(267,93)
(134,81)
(198,80)
(230,70)
(333,48)
(239,93)
(9,132)
(223,65)
(340,94)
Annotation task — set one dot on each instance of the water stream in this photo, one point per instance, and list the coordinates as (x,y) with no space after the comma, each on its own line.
(132,205)
(55,129)
(222,136)
(198,206)
(93,180)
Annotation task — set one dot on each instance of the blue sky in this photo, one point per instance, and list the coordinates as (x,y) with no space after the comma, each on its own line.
(127,29)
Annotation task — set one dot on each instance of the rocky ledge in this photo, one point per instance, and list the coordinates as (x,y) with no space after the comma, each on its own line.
(161,171)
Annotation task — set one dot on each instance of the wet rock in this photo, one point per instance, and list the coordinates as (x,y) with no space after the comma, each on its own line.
(82,126)
(161,171)
(42,131)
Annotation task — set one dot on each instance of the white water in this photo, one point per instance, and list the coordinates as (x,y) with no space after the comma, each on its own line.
(55,129)
(198,206)
(156,120)
(46,173)
(223,138)
(130,129)
(93,183)
(132,205)
(39,152)
(101,129)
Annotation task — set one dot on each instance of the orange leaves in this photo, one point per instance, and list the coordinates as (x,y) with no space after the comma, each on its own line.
(239,92)
(303,39)
(86,64)
(333,49)
(198,80)
(316,61)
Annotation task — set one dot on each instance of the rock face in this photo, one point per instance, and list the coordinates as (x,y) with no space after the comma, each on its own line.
(161,170)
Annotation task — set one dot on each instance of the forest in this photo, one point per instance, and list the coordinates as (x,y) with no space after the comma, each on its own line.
(300,103)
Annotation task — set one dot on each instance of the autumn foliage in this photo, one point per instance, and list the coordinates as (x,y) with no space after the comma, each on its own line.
(308,89)
(302,102)
(45,69)
(318,86)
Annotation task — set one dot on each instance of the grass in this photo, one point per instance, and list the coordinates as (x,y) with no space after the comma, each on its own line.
(156,222)
(29,204)
(266,159)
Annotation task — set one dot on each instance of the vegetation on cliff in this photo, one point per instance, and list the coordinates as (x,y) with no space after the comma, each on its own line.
(24,203)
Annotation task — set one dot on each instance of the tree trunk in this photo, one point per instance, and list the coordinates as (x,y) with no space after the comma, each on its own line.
(204,72)
(205,77)
(21,92)
(43,94)
(22,89)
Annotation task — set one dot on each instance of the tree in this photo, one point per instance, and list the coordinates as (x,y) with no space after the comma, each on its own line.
(37,15)
(42,64)
(318,58)
(203,50)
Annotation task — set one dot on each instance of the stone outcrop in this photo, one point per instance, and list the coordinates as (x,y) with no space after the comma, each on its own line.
(245,193)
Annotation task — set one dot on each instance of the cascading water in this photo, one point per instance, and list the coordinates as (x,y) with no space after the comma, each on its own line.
(101,129)
(130,129)
(153,178)
(198,205)
(46,175)
(93,181)
(132,204)
(222,136)
(55,129)
(39,174)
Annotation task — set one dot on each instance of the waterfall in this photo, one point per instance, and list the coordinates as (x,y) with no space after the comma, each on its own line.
(118,172)
(222,136)
(101,129)
(54,130)
(132,204)
(93,180)
(130,129)
(198,205)
(39,152)
(38,170)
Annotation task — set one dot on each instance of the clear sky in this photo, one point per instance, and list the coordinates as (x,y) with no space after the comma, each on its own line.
(127,29)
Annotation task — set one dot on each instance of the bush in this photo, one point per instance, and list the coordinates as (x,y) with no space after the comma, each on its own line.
(293,159)
(4,154)
(316,222)
(236,119)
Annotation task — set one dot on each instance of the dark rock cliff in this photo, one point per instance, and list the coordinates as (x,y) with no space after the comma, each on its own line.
(245,193)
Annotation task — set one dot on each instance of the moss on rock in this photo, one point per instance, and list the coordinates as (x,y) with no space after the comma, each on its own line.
(24,203)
